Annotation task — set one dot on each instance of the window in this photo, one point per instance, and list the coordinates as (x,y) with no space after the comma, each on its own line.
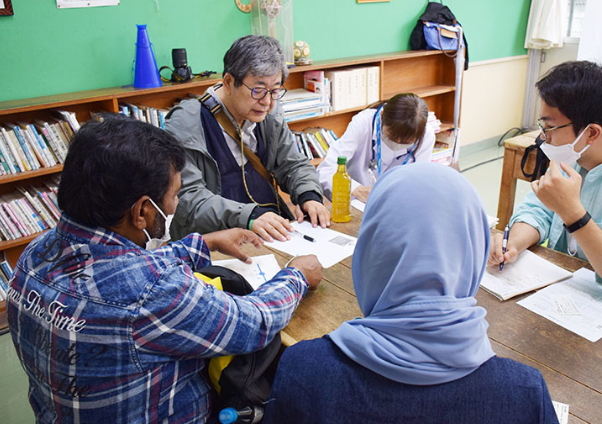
(576,12)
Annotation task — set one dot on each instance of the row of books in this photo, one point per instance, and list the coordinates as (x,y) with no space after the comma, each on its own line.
(6,273)
(146,114)
(26,146)
(314,142)
(443,149)
(354,87)
(29,210)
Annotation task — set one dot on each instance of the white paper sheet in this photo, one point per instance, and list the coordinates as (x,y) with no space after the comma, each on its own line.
(562,412)
(260,271)
(66,4)
(529,272)
(586,295)
(329,246)
(358,204)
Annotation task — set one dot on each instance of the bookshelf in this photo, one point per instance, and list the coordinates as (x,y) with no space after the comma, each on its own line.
(429,74)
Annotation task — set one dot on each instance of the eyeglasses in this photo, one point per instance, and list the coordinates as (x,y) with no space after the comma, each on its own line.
(544,130)
(259,93)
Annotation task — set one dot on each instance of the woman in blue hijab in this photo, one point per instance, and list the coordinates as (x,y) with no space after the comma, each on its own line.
(421,353)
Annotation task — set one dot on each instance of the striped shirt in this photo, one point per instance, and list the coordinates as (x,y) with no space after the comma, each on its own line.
(109,332)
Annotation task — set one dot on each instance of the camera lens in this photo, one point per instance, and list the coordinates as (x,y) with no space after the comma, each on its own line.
(178,56)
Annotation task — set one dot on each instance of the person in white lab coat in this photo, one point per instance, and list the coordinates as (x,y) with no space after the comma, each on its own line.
(378,139)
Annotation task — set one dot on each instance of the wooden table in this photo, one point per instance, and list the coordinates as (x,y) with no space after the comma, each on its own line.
(514,149)
(571,365)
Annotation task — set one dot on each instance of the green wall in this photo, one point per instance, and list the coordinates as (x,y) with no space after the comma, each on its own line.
(46,51)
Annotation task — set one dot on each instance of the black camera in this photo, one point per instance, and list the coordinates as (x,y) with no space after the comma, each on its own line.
(182,72)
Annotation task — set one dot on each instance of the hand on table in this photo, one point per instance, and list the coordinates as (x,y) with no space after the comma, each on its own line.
(270,226)
(361,193)
(229,242)
(317,212)
(311,269)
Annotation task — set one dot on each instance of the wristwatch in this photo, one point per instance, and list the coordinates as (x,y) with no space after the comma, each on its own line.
(578,224)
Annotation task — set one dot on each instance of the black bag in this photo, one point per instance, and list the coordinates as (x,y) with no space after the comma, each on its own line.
(541,160)
(247,380)
(440,14)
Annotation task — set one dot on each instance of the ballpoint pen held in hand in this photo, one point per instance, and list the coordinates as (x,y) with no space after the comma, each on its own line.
(504,244)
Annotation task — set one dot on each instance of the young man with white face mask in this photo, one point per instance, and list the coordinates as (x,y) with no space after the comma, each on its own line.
(110,331)
(566,203)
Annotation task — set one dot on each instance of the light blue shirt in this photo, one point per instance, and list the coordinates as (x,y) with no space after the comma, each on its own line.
(531,211)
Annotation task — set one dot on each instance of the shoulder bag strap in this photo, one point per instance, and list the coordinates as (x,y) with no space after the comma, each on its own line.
(218,112)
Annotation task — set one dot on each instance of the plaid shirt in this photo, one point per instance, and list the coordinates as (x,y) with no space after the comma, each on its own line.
(109,332)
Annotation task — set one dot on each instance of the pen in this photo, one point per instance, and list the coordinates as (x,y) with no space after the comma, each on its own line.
(308,238)
(504,244)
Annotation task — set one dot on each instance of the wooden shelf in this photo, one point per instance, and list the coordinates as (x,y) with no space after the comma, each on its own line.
(22,241)
(27,175)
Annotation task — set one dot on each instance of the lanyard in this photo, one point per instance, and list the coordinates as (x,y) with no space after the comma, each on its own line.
(376,163)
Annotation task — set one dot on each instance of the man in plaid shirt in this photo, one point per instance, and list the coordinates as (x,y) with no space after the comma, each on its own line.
(108,331)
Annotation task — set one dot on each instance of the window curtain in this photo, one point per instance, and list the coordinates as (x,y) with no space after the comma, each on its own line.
(546,25)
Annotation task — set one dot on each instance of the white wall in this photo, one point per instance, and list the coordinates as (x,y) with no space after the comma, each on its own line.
(492,98)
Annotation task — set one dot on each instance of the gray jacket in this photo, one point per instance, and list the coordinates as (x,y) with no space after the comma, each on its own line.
(201,207)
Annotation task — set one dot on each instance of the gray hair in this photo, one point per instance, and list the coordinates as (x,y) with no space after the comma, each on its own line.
(256,55)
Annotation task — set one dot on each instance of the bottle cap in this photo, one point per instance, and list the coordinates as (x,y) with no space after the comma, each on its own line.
(342,160)
(227,416)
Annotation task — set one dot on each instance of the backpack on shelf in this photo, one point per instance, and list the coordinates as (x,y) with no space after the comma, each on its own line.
(438,29)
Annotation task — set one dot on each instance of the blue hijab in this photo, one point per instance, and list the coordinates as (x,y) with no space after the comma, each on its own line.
(421,252)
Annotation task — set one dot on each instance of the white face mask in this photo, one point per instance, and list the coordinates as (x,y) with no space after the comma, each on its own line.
(396,147)
(153,243)
(565,153)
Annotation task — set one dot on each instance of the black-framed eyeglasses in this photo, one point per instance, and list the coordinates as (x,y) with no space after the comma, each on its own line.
(544,130)
(259,93)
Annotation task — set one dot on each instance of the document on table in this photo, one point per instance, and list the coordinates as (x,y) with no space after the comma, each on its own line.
(529,272)
(358,204)
(329,246)
(562,412)
(575,304)
(260,271)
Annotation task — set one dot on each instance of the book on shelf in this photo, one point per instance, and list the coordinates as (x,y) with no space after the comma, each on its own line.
(27,146)
(316,82)
(28,160)
(68,117)
(305,113)
(300,98)
(433,122)
(316,150)
(148,114)
(354,87)
(27,211)
(6,273)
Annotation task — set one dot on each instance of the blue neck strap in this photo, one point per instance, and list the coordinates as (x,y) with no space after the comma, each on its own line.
(377,162)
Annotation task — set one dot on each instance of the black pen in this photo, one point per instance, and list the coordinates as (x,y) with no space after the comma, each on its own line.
(308,238)
(504,244)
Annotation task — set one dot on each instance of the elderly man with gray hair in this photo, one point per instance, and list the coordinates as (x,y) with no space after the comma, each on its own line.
(238,148)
